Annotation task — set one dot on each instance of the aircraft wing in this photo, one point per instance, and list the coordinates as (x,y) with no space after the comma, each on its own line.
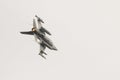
(45,30)
(27,32)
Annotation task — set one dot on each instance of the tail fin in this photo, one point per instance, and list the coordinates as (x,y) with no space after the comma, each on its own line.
(41,54)
(44,53)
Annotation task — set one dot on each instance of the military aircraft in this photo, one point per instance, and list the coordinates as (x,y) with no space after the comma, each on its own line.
(40,36)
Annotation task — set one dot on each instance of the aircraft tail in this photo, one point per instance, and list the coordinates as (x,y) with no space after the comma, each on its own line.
(41,54)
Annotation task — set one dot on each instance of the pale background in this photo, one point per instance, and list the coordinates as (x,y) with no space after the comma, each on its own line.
(86,33)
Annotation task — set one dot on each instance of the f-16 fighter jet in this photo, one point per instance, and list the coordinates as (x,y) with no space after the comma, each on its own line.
(40,36)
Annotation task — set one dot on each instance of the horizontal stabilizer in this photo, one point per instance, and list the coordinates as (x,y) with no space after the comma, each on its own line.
(44,52)
(42,55)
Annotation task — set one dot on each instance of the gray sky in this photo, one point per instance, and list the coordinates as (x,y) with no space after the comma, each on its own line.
(86,33)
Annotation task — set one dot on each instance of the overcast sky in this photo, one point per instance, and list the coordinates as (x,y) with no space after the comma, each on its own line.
(86,33)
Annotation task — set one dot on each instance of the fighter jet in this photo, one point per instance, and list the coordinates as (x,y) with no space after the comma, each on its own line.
(40,36)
